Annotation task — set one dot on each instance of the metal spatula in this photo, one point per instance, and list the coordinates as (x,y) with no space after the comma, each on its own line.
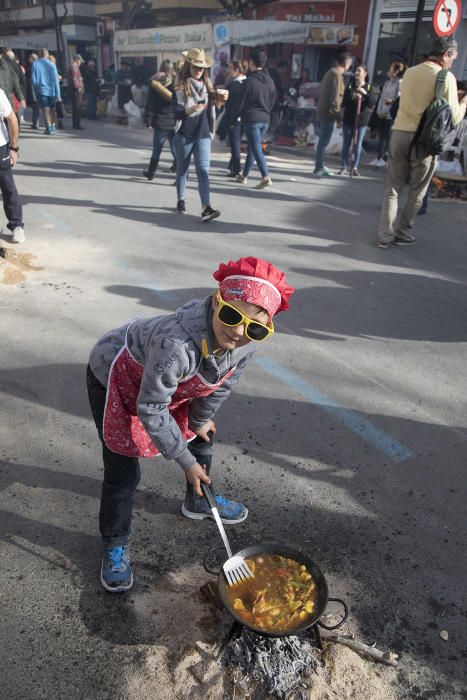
(235,568)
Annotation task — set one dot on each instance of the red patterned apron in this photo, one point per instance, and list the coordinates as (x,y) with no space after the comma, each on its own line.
(123,431)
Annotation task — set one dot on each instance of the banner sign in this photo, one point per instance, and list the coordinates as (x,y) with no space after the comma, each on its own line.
(140,42)
(258,32)
(31,42)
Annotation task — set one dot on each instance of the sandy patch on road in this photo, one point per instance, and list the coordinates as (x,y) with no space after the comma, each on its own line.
(181,663)
(15,265)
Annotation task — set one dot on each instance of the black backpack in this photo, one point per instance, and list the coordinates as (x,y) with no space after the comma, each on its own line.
(436,131)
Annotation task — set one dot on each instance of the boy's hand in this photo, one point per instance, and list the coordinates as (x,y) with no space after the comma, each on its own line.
(195,475)
(208,427)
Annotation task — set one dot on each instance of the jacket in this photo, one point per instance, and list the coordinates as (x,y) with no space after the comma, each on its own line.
(349,104)
(331,95)
(390,91)
(233,104)
(169,348)
(159,110)
(44,78)
(258,99)
(195,126)
(417,91)
(9,82)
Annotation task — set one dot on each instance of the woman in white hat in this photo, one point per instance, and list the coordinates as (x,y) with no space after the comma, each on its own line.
(195,113)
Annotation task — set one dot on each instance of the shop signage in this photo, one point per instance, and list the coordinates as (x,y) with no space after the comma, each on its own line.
(258,32)
(31,42)
(322,12)
(140,42)
(446,17)
(341,35)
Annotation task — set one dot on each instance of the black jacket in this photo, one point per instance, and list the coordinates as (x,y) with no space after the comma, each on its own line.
(233,105)
(159,111)
(9,81)
(349,104)
(90,81)
(258,99)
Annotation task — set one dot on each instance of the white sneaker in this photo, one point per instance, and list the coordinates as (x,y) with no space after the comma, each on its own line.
(375,161)
(265,182)
(18,235)
(380,163)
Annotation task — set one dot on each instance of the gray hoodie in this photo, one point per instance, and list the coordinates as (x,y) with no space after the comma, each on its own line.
(169,348)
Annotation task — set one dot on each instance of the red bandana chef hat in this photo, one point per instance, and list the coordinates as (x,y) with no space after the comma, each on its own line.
(255,281)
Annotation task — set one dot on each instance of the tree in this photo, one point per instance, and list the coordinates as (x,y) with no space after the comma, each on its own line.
(59,19)
(131,9)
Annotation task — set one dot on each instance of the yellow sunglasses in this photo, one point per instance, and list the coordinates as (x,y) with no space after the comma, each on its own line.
(230,316)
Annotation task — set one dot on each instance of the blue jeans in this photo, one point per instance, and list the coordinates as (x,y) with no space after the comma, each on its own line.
(326,127)
(235,136)
(201,150)
(255,133)
(348,131)
(159,138)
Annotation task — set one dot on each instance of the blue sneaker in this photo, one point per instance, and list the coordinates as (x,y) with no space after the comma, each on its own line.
(54,129)
(196,508)
(116,573)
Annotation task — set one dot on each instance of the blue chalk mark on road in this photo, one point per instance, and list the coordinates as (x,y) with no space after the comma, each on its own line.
(147,282)
(51,218)
(351,420)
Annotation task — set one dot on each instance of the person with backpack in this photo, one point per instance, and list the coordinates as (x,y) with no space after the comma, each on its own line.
(429,109)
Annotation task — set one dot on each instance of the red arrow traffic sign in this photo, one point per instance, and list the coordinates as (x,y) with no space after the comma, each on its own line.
(446,17)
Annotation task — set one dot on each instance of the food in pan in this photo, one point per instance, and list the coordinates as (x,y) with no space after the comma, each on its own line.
(281,596)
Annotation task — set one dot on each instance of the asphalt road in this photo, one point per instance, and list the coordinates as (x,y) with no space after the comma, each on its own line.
(346,436)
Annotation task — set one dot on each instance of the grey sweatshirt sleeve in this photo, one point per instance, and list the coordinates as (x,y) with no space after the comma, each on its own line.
(166,364)
(204,408)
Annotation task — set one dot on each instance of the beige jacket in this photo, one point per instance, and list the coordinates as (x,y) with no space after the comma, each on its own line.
(417,91)
(331,95)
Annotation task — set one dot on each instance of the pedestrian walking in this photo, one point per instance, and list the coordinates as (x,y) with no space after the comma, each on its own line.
(9,81)
(195,114)
(75,81)
(388,97)
(236,86)
(159,114)
(91,89)
(46,87)
(408,163)
(31,97)
(9,149)
(155,386)
(18,104)
(329,108)
(59,109)
(258,99)
(358,103)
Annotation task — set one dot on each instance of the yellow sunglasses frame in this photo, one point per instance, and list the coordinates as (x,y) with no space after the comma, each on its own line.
(245,320)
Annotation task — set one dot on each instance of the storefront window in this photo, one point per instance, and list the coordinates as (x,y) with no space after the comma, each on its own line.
(395,40)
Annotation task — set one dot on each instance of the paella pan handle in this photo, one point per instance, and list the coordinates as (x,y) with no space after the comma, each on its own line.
(344,617)
(213,560)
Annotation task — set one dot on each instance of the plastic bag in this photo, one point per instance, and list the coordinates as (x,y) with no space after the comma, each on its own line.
(335,144)
(135,118)
(113,110)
